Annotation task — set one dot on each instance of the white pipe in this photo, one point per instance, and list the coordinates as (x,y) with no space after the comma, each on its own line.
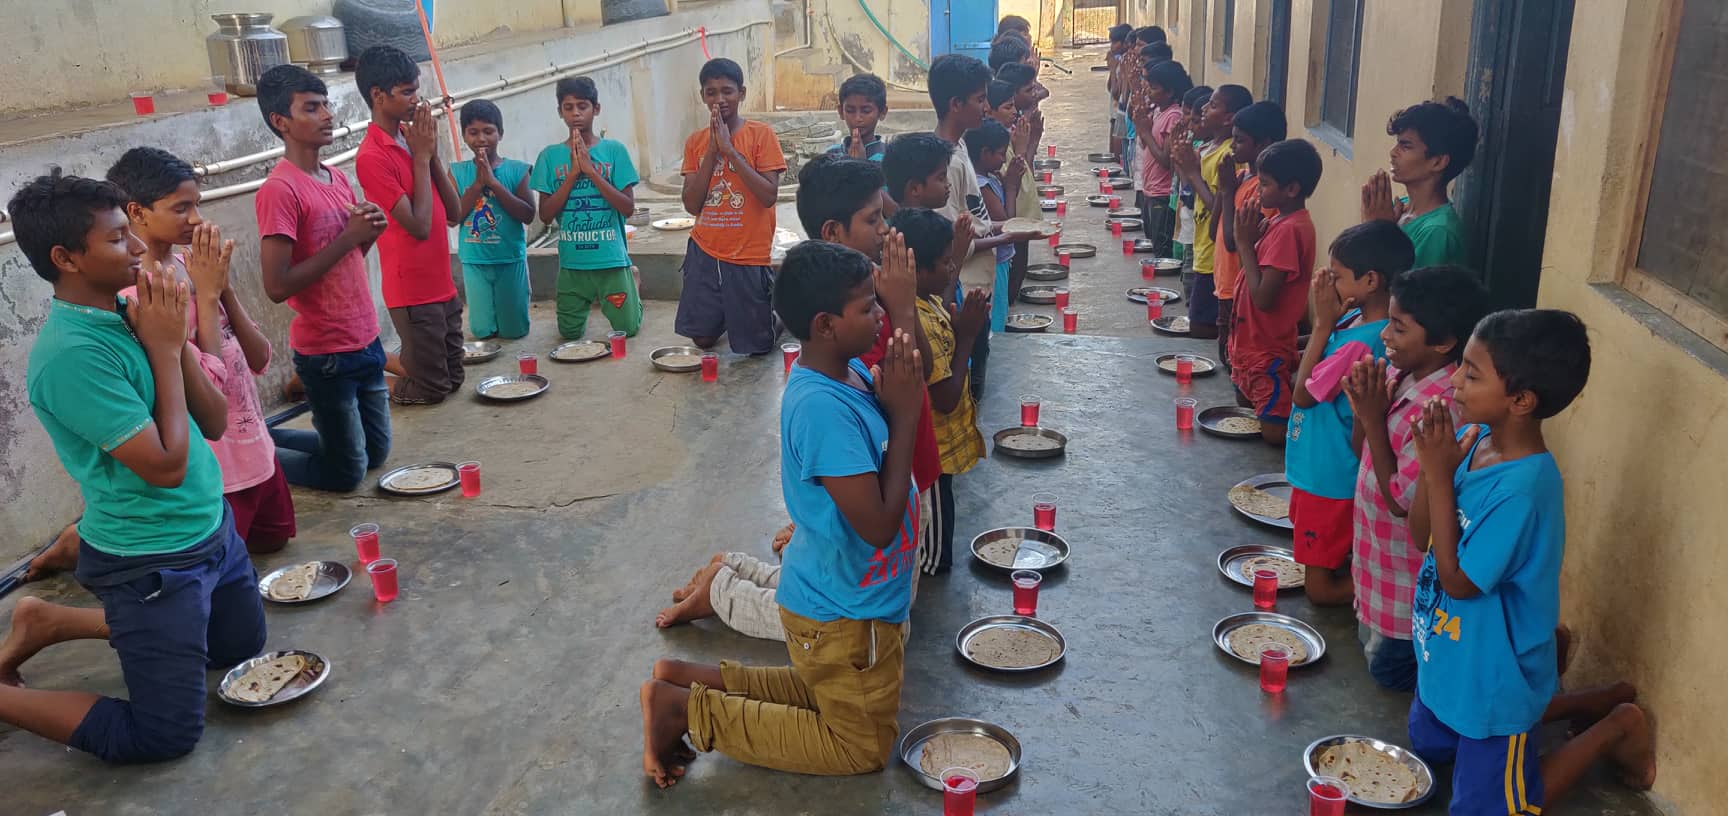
(809,20)
(510,86)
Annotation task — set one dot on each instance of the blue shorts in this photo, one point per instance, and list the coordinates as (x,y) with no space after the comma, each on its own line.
(169,627)
(1498,776)
(1203,304)
(1391,661)
(725,298)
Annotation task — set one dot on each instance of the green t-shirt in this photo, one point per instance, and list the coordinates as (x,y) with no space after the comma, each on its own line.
(92,389)
(488,234)
(1439,237)
(590,231)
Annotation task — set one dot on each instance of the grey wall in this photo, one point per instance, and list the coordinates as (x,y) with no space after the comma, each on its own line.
(649,103)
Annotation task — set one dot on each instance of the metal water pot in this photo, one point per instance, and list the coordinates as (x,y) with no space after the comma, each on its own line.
(243,48)
(317,42)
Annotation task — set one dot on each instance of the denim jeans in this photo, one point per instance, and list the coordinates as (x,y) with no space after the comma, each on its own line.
(351,415)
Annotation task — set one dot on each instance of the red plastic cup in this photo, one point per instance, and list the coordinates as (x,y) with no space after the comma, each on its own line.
(1265,589)
(1061,298)
(1127,246)
(1185,413)
(710,367)
(1026,592)
(469,472)
(527,364)
(1148,269)
(1154,308)
(1116,229)
(1103,174)
(618,342)
(1055,239)
(365,541)
(789,354)
(1070,320)
(1049,176)
(1050,151)
(1327,796)
(959,791)
(143,104)
(1044,512)
(1029,411)
(383,575)
(1062,207)
(217,98)
(1115,201)
(1103,188)
(1274,669)
(1063,258)
(1184,362)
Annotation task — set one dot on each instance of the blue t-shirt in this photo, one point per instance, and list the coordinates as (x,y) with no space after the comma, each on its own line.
(1485,665)
(830,429)
(873,149)
(590,230)
(488,234)
(1318,458)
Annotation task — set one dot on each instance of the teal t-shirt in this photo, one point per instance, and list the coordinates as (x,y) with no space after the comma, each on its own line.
(590,231)
(488,234)
(1318,458)
(91,387)
(1439,237)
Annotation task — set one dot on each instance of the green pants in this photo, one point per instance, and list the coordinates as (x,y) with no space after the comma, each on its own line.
(497,299)
(615,289)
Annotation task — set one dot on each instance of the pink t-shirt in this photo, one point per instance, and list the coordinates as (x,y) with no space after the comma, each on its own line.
(335,314)
(245,452)
(1155,178)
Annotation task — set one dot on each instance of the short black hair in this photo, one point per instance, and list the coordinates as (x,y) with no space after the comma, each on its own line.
(928,233)
(817,277)
(1171,76)
(955,76)
(1234,98)
(482,110)
(1292,160)
(1264,120)
(998,92)
(1196,96)
(383,67)
(1017,74)
(277,87)
(721,68)
(1543,351)
(988,135)
(580,87)
(913,157)
(832,187)
(1013,22)
(150,174)
(869,86)
(1446,301)
(56,210)
(1446,128)
(1008,50)
(1149,34)
(1157,52)
(1374,246)
(1120,32)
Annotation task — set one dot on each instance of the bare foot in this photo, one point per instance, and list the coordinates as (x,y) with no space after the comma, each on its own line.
(696,604)
(26,637)
(1635,753)
(684,591)
(1597,703)
(60,556)
(662,732)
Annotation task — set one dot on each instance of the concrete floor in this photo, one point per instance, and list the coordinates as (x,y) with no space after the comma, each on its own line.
(503,681)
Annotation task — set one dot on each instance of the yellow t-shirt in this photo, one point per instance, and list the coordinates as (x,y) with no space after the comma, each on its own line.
(1205,236)
(957,436)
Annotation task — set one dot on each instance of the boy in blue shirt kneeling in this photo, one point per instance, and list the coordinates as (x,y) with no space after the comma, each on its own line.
(1491,515)
(847,435)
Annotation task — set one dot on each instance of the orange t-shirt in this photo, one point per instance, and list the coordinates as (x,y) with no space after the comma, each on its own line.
(734,226)
(1226,265)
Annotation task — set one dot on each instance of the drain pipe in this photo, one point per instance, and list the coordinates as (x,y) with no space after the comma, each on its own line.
(501,87)
(809,20)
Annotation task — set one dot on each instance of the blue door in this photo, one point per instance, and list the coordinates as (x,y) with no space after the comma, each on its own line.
(962,27)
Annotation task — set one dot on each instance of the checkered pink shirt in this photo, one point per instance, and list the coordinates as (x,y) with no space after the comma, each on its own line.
(1385,563)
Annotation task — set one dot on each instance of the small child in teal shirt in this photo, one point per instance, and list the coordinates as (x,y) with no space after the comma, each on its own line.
(496,206)
(1320,441)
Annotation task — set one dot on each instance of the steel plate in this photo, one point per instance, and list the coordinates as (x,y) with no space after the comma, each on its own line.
(479,351)
(1138,294)
(1028,323)
(1046,272)
(1208,421)
(332,577)
(1308,634)
(488,387)
(981,625)
(1049,453)
(1203,366)
(1039,549)
(1168,325)
(316,672)
(1424,774)
(1077,250)
(912,748)
(678,368)
(1277,485)
(386,481)
(580,351)
(1230,561)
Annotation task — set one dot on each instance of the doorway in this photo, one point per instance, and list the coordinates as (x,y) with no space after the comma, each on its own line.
(1089,21)
(962,27)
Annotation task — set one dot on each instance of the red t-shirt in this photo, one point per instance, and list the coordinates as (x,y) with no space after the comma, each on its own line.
(415,271)
(1285,249)
(335,314)
(926,457)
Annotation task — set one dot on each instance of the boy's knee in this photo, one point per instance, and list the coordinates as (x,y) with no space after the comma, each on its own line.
(164,745)
(704,342)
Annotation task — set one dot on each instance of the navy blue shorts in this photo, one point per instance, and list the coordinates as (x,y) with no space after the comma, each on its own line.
(1498,776)
(1203,305)
(724,298)
(168,628)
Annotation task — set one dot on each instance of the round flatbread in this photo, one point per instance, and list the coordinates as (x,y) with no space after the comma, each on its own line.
(513,390)
(1000,552)
(295,584)
(267,679)
(1238,425)
(980,754)
(579,352)
(1029,443)
(1029,321)
(1201,365)
(421,478)
(1029,226)
(1247,641)
(1253,500)
(1176,324)
(1012,648)
(1372,776)
(680,361)
(1290,573)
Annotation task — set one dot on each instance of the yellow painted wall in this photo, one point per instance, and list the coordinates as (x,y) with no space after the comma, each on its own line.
(843,42)
(1645,450)
(97,51)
